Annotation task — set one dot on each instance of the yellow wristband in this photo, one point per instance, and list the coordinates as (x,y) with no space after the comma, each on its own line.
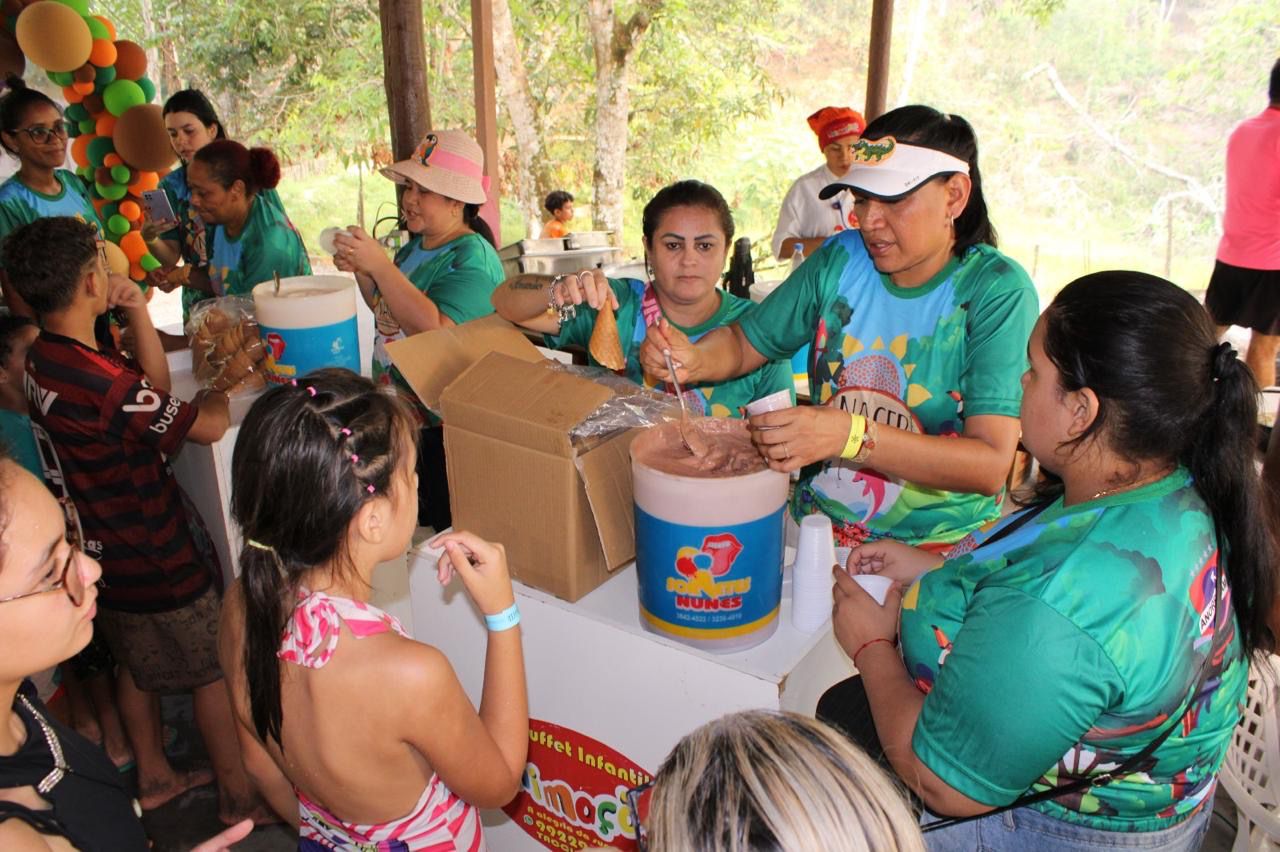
(857,428)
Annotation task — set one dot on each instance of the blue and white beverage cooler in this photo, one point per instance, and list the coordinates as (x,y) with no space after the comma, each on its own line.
(310,323)
(709,549)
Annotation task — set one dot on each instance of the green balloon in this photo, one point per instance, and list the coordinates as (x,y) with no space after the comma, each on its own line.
(87,126)
(76,113)
(96,28)
(118,225)
(85,172)
(62,78)
(81,6)
(99,149)
(120,95)
(148,88)
(105,76)
(111,192)
(121,174)
(111,209)
(73,130)
(149,263)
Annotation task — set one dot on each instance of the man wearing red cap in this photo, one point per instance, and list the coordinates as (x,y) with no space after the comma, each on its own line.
(805,218)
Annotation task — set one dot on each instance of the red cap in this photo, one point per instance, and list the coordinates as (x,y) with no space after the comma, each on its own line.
(832,123)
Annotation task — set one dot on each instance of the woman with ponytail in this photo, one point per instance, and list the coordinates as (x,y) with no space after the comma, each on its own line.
(918,326)
(249,238)
(348,725)
(442,277)
(1079,668)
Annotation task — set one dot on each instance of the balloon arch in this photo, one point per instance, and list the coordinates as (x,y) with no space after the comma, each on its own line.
(120,145)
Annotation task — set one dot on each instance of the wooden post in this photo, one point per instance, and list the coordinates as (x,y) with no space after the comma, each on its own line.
(878,59)
(485,80)
(404,74)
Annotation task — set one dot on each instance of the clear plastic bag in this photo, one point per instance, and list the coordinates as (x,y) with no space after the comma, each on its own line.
(226,347)
(631,406)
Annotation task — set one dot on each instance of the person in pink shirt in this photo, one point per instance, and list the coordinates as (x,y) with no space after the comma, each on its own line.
(1245,287)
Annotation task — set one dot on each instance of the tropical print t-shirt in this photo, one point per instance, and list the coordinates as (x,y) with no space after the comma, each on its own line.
(21,205)
(190,233)
(459,276)
(920,359)
(268,245)
(638,308)
(1063,648)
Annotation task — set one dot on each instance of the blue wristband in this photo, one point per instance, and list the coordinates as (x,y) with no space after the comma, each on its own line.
(504,620)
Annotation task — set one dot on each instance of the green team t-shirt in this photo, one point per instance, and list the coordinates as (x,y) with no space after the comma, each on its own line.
(637,309)
(190,233)
(21,205)
(459,276)
(1066,646)
(920,359)
(268,244)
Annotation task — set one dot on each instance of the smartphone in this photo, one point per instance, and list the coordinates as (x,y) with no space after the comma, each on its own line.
(158,207)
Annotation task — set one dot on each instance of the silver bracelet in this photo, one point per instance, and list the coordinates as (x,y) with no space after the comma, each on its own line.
(564,312)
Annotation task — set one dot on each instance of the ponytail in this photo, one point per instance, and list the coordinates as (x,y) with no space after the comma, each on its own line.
(308,456)
(1220,458)
(265,611)
(1169,393)
(471,218)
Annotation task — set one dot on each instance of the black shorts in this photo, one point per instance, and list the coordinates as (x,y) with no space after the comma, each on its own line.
(1249,298)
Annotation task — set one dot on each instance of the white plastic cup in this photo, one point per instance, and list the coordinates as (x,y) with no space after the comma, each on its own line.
(811,574)
(775,401)
(326,239)
(876,585)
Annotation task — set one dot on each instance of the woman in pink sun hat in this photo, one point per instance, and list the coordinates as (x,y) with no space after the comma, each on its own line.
(443,276)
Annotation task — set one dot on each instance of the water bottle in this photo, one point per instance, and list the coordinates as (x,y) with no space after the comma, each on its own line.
(797,256)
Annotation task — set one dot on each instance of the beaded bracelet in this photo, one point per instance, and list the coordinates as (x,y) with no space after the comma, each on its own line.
(504,620)
(563,312)
(868,443)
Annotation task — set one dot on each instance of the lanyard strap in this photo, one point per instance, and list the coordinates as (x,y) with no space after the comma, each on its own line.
(1110,775)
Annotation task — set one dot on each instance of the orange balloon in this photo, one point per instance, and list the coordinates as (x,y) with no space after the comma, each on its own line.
(105,127)
(111,28)
(72,95)
(146,181)
(83,88)
(103,52)
(98,204)
(133,246)
(80,149)
(112,159)
(130,210)
(136,272)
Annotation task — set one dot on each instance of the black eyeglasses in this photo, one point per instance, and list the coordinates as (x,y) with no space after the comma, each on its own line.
(40,134)
(69,580)
(638,802)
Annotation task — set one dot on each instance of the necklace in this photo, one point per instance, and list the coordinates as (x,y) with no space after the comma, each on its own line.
(60,766)
(1130,486)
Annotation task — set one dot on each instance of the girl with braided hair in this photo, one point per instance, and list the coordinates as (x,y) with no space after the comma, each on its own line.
(349,726)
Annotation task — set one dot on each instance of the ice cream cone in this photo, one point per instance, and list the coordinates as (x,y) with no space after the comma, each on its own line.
(606,345)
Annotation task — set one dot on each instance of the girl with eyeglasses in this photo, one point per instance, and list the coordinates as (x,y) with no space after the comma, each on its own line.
(33,130)
(57,789)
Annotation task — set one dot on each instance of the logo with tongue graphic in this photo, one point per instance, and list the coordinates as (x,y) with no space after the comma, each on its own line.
(704,585)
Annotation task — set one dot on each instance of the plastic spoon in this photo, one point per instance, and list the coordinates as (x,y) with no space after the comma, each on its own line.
(696,446)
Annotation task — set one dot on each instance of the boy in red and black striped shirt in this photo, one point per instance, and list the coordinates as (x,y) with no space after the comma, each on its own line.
(105,423)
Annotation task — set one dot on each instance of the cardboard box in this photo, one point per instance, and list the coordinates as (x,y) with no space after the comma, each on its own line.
(566,517)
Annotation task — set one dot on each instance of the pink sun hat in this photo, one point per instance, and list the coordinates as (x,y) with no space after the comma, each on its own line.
(448,162)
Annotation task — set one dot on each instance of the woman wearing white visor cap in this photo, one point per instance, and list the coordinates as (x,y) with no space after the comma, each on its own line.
(919,330)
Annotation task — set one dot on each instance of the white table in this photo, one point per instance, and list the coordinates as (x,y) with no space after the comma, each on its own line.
(602,685)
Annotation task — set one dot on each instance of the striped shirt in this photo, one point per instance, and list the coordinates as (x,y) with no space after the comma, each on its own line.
(104,433)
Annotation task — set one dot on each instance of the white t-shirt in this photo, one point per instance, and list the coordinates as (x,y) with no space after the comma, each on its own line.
(804,215)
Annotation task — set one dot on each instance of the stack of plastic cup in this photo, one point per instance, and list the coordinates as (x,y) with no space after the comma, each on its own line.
(773,402)
(811,574)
